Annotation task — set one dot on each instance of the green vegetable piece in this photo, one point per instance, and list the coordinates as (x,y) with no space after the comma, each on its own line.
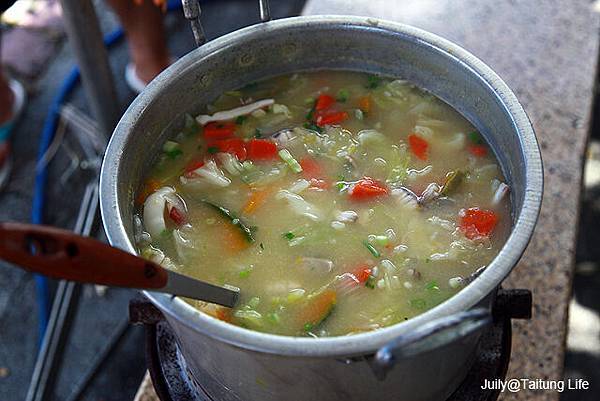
(246,231)
(308,327)
(245,273)
(342,96)
(313,127)
(212,150)
(174,154)
(172,149)
(287,157)
(370,283)
(432,286)
(273,318)
(258,133)
(475,138)
(371,249)
(190,126)
(373,81)
(240,120)
(249,318)
(254,302)
(417,303)
(453,181)
(289,235)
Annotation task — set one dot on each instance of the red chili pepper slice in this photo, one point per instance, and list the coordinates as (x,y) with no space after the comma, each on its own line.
(367,188)
(218,130)
(324,102)
(335,117)
(362,273)
(476,223)
(311,168)
(419,146)
(235,146)
(193,165)
(478,150)
(261,149)
(177,216)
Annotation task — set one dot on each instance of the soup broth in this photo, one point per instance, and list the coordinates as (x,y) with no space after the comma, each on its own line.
(338,202)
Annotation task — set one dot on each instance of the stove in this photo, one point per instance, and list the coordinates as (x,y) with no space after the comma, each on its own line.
(173,382)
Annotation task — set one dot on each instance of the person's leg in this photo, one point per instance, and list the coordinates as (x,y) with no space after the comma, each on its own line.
(143,25)
(6,100)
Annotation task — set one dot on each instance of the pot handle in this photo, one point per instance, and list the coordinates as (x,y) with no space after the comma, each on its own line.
(428,337)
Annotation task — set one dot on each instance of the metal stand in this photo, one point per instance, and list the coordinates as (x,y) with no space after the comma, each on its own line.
(86,41)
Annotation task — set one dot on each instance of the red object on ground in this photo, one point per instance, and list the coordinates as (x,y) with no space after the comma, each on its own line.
(476,223)
(478,150)
(324,102)
(419,146)
(218,130)
(235,146)
(261,149)
(367,188)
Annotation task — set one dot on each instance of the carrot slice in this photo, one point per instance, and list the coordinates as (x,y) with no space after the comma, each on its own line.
(224,314)
(419,146)
(364,103)
(149,187)
(477,223)
(256,200)
(317,309)
(233,239)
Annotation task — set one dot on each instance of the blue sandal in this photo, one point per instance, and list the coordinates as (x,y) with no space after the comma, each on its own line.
(6,130)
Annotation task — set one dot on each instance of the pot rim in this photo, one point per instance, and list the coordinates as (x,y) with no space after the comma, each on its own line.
(340,346)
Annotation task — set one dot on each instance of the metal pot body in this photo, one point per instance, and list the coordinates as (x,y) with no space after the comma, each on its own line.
(238,364)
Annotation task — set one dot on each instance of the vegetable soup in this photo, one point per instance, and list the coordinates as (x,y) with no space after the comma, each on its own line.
(338,202)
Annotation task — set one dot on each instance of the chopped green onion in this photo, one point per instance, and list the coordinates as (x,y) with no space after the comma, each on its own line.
(371,249)
(165,233)
(287,157)
(382,240)
(190,126)
(234,93)
(273,318)
(295,295)
(373,81)
(253,302)
(170,146)
(212,150)
(432,286)
(240,120)
(172,149)
(245,273)
(313,127)
(258,133)
(308,327)
(342,96)
(370,283)
(475,137)
(289,235)
(418,303)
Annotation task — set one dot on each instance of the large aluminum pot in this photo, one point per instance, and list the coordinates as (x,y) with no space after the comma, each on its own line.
(424,358)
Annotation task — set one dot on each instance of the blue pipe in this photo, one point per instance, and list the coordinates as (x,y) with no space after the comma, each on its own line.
(41,173)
